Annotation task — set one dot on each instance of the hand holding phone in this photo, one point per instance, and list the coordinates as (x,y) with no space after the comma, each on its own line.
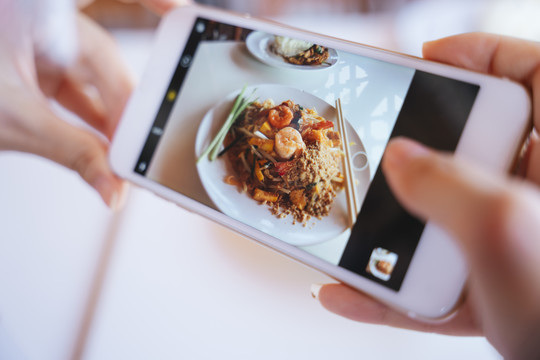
(193,134)
(494,219)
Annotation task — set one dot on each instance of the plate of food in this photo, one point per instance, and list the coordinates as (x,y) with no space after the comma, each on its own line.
(278,165)
(284,52)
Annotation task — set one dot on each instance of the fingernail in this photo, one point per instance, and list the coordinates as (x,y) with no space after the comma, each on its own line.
(122,195)
(108,193)
(114,202)
(402,150)
(315,289)
(118,199)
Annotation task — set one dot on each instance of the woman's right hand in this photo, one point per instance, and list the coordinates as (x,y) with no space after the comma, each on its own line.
(494,219)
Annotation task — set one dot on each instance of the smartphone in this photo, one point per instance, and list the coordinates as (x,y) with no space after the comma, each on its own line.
(236,119)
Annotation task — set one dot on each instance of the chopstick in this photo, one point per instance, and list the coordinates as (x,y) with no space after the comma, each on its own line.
(350,189)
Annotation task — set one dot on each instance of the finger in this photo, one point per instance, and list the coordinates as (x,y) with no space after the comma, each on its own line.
(461,198)
(436,188)
(347,302)
(38,130)
(82,101)
(53,24)
(492,219)
(83,152)
(87,155)
(101,65)
(516,59)
(498,55)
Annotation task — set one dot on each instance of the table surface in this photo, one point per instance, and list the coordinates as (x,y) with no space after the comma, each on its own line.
(155,281)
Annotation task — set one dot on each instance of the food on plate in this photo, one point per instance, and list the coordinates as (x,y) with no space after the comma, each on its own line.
(290,47)
(383,266)
(285,156)
(299,52)
(240,104)
(287,142)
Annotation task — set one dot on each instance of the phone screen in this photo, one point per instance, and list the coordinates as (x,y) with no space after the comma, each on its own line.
(280,166)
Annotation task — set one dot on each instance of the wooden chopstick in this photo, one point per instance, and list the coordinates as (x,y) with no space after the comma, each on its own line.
(350,189)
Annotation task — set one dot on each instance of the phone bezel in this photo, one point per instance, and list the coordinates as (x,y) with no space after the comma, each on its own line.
(427,291)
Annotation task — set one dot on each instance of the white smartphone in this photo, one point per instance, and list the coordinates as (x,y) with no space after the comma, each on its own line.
(235,119)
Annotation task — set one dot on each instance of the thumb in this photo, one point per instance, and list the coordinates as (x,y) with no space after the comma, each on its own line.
(473,205)
(496,222)
(437,187)
(493,219)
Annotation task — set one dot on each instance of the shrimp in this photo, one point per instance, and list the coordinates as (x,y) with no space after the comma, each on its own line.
(280,116)
(288,142)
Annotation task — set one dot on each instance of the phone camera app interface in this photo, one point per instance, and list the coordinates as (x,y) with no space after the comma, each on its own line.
(286,136)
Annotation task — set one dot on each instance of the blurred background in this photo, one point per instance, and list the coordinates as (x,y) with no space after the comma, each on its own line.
(399,24)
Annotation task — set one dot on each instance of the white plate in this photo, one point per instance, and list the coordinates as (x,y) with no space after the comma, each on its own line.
(241,207)
(259,45)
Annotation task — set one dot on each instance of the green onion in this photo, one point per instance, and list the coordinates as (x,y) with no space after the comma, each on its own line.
(240,104)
